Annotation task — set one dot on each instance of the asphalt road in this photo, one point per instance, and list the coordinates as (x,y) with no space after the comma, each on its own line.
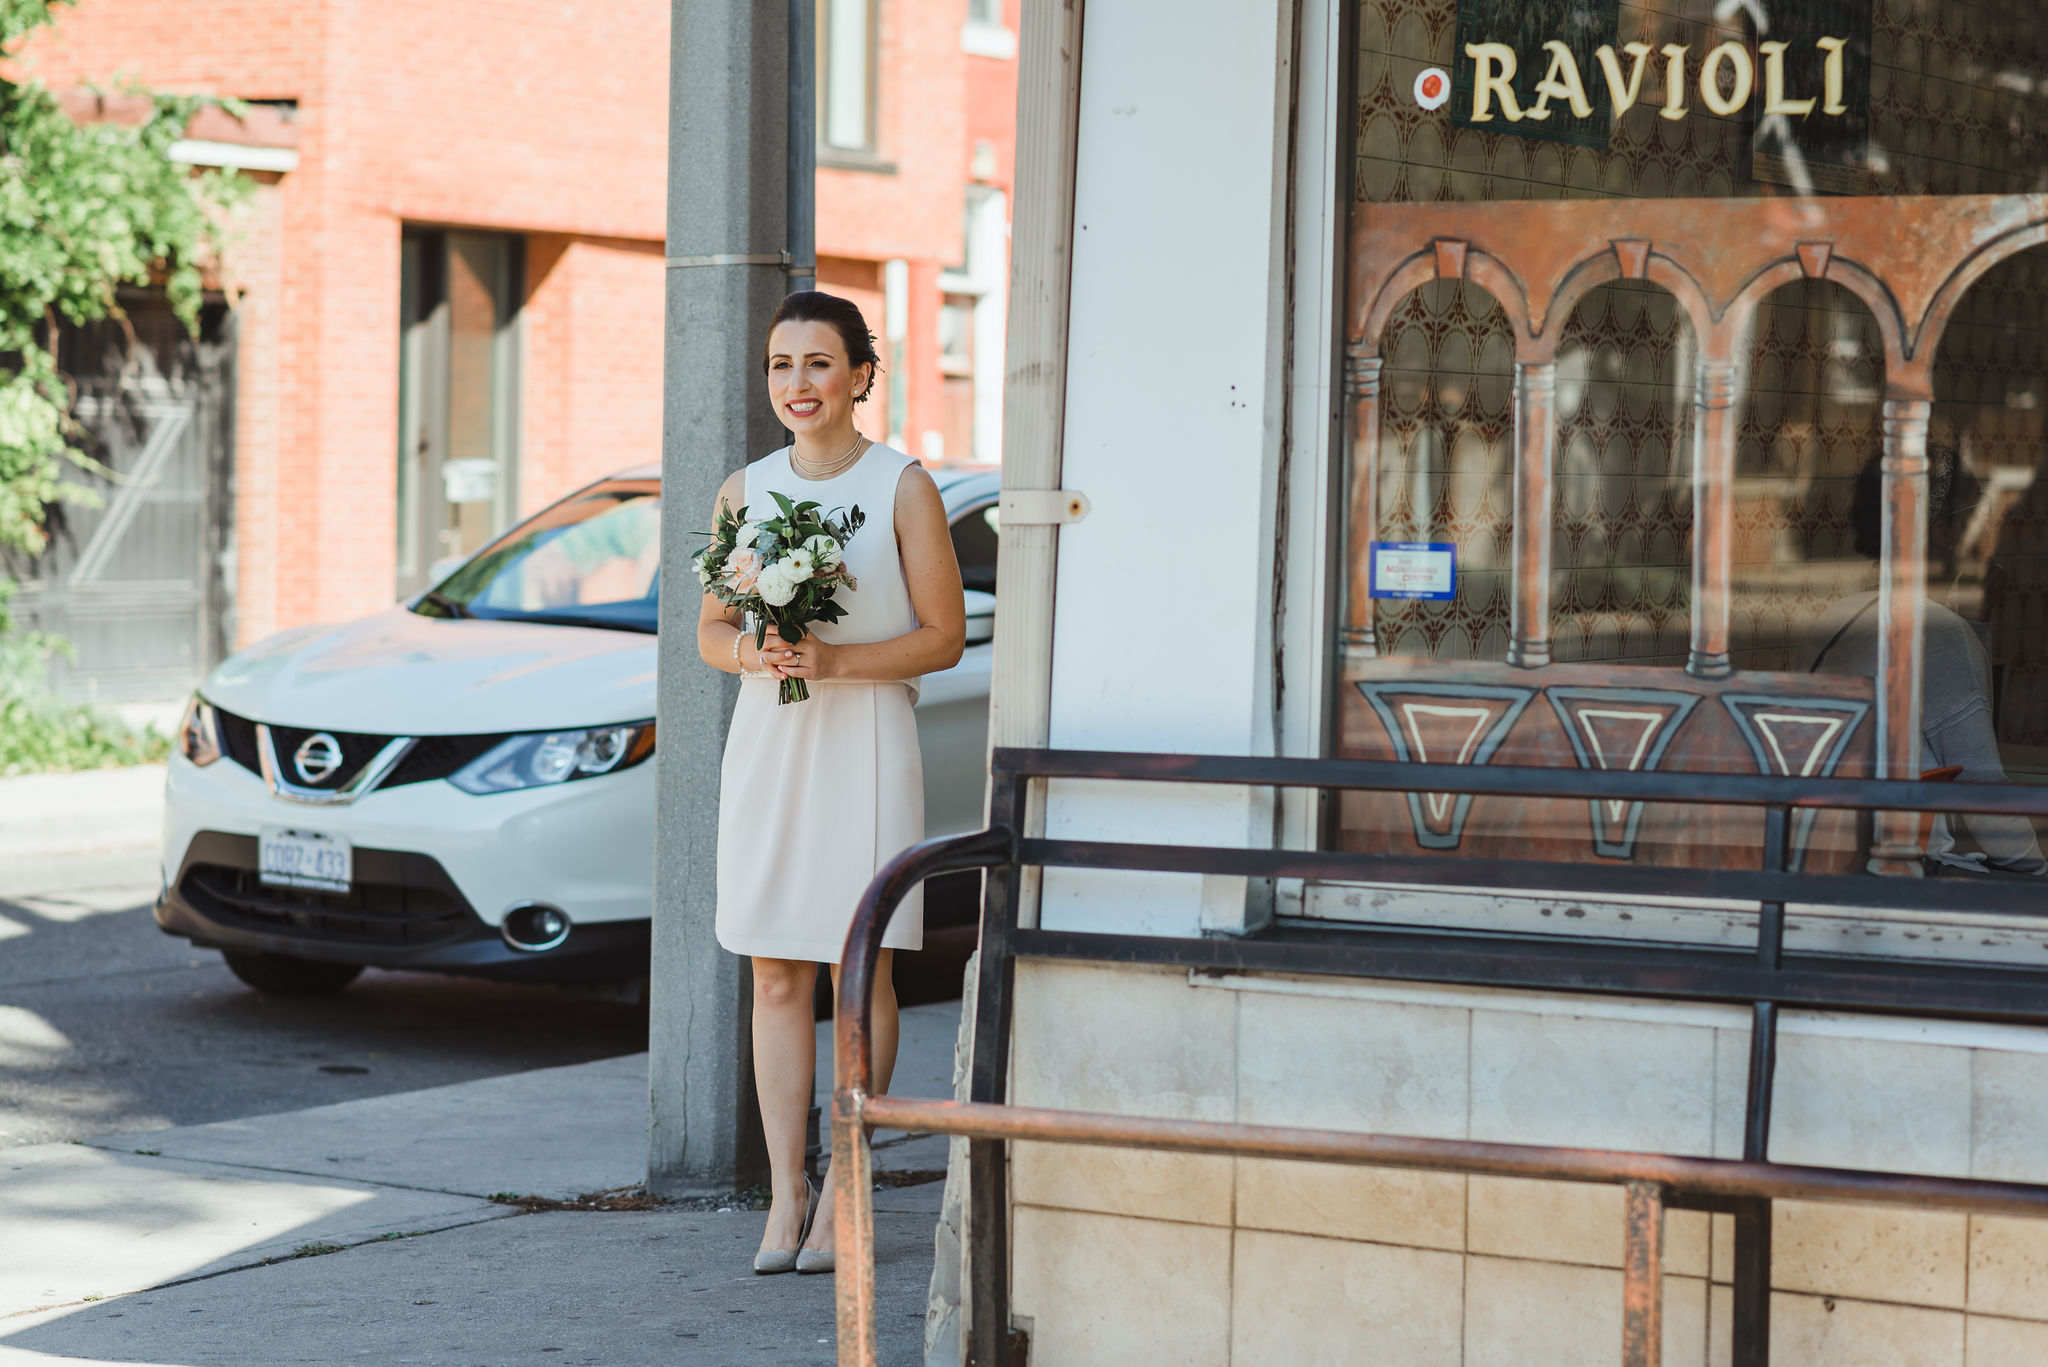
(108,1025)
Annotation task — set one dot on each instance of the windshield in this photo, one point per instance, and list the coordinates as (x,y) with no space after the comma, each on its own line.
(592,560)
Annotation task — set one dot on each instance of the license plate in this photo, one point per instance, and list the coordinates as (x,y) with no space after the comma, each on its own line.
(304,859)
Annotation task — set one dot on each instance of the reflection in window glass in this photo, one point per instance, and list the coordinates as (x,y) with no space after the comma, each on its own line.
(1446,460)
(594,560)
(1621,544)
(1989,561)
(1633,643)
(1810,423)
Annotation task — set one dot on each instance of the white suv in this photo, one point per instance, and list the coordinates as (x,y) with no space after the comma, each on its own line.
(461,783)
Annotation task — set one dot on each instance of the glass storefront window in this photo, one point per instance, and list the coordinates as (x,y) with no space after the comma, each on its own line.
(1695,366)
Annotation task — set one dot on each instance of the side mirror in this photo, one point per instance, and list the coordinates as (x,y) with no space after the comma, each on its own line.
(981,617)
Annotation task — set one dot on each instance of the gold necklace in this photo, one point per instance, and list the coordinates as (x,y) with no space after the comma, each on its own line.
(830,469)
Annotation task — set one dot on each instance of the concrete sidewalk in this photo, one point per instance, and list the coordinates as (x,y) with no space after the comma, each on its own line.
(366,1230)
(94,828)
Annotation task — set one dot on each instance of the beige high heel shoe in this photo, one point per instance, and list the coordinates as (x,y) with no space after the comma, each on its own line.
(772,1260)
(813,1259)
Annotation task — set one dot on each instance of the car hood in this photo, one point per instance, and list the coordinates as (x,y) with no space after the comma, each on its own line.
(398,673)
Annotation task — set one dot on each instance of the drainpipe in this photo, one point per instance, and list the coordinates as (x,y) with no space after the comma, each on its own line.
(803,145)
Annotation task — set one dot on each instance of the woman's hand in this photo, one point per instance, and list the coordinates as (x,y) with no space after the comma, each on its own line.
(810,658)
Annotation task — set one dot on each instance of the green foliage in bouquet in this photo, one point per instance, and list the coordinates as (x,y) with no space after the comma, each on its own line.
(785,571)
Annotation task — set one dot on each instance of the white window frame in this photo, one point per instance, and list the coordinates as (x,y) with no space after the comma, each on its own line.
(829,33)
(980,37)
(1305,634)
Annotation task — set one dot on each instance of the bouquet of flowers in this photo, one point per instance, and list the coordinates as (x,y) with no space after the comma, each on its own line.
(781,571)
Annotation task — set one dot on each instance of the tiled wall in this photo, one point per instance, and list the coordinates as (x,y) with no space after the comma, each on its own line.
(1124,1257)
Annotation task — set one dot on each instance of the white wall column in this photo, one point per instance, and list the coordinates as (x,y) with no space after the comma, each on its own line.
(1175,417)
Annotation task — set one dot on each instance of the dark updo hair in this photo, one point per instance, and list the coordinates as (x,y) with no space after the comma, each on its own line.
(844,316)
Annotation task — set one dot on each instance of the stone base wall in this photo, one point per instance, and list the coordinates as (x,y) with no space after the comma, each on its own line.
(1122,1257)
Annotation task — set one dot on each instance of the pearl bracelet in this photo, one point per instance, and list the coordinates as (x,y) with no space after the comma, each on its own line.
(740,668)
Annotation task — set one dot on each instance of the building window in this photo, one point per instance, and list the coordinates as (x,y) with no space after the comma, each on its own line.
(846,74)
(971,329)
(985,34)
(957,380)
(458,396)
(956,333)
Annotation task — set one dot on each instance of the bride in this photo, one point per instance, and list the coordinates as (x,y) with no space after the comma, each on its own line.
(816,796)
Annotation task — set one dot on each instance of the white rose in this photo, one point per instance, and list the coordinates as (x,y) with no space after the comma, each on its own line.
(778,584)
(746,535)
(825,552)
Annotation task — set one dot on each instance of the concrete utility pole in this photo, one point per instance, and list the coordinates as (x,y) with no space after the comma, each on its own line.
(728,235)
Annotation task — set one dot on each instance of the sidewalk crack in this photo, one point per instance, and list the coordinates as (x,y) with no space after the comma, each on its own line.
(330,1174)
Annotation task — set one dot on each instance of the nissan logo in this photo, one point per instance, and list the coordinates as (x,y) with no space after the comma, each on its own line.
(317,758)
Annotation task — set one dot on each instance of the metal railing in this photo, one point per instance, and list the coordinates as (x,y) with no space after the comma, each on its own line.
(1764,978)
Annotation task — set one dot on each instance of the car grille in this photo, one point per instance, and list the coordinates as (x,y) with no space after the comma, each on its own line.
(432,757)
(357,750)
(238,740)
(439,757)
(398,898)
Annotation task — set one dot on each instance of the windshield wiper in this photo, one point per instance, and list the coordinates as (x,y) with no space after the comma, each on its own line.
(570,619)
(445,603)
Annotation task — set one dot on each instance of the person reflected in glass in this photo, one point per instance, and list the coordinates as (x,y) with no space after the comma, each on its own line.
(2016,605)
(1955,710)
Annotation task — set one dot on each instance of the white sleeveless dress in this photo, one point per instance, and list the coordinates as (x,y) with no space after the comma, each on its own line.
(816,796)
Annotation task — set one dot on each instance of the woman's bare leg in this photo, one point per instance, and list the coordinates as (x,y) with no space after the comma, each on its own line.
(785,1055)
(884,1026)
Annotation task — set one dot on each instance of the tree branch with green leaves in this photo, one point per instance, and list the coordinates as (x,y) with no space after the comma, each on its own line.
(85,208)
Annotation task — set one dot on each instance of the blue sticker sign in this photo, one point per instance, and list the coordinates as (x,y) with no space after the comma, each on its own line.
(1427,570)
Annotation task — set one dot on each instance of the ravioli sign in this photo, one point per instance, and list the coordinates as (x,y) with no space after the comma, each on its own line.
(1829,153)
(1525,28)
(1587,81)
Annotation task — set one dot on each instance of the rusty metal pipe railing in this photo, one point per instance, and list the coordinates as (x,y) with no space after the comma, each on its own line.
(853,1206)
(1651,1182)
(1730,1178)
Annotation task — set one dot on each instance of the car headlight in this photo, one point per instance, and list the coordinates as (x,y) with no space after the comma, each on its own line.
(542,758)
(199,732)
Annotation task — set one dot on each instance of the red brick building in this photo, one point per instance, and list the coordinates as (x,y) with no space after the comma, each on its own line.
(450,276)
